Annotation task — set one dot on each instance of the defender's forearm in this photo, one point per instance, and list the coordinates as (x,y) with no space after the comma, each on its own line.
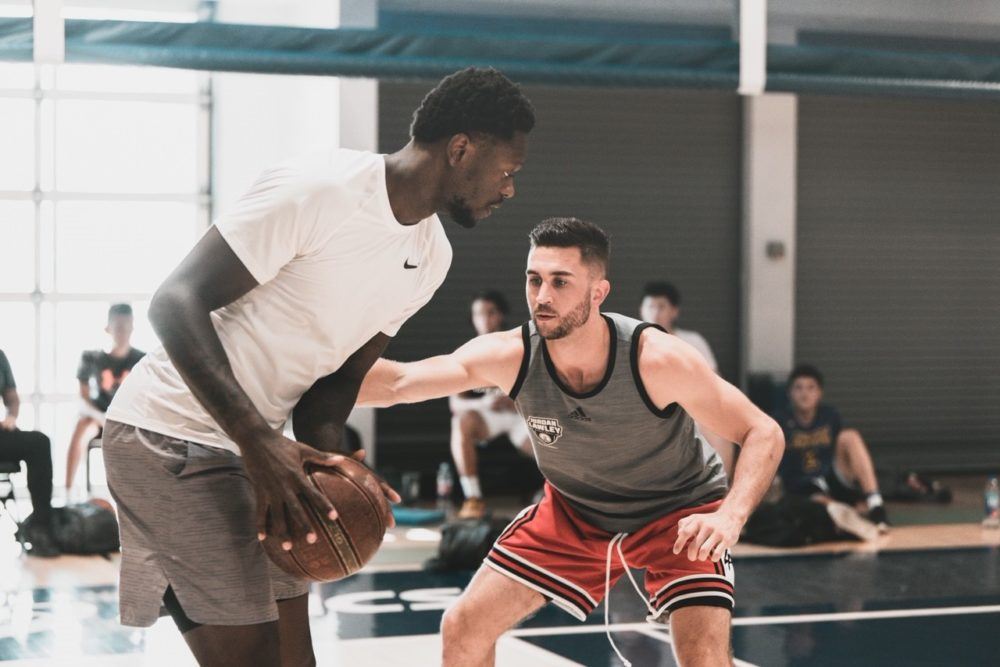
(758,461)
(379,387)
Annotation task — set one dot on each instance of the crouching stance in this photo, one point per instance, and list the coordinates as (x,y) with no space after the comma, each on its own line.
(611,405)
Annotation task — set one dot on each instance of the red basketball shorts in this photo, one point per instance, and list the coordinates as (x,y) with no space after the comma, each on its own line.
(550,549)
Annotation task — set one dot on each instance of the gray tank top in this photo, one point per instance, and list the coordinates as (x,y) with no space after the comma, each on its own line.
(618,460)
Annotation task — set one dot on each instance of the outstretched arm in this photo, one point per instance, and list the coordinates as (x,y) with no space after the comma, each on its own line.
(492,360)
(674,372)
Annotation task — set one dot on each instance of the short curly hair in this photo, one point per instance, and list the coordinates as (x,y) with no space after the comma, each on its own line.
(475,99)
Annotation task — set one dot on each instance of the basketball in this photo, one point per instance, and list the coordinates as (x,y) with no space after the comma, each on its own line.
(344,545)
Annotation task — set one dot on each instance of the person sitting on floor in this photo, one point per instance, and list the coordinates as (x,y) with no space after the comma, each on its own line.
(825,461)
(35,450)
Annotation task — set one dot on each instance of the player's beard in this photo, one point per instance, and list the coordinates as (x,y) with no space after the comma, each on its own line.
(459,211)
(570,322)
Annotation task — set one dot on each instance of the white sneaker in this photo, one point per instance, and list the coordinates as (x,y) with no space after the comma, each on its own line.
(850,521)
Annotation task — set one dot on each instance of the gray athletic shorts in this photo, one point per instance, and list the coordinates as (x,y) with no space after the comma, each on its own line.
(186,513)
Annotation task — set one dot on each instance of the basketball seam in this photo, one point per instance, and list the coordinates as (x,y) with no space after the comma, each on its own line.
(302,569)
(374,506)
(326,531)
(347,536)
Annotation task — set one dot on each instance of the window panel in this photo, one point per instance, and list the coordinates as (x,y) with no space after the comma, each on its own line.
(143,338)
(17,139)
(117,146)
(17,237)
(17,340)
(109,247)
(79,326)
(16,76)
(114,79)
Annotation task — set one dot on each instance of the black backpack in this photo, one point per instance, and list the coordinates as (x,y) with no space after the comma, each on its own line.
(465,543)
(85,529)
(792,521)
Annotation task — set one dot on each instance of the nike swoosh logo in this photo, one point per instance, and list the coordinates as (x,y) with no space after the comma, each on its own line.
(407,265)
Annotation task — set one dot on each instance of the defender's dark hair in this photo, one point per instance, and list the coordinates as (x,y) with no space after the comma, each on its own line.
(662,288)
(119,309)
(593,242)
(474,99)
(805,371)
(494,297)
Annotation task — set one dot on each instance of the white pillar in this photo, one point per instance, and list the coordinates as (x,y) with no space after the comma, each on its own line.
(769,189)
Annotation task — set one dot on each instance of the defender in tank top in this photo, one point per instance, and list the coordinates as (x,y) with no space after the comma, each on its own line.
(611,405)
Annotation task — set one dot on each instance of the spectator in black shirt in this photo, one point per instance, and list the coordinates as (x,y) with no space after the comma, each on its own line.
(35,450)
(823,459)
(100,374)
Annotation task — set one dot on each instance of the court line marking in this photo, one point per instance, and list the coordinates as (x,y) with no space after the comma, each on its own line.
(768,620)
(378,568)
(867,615)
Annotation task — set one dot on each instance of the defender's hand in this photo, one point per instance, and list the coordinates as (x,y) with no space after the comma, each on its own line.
(276,469)
(9,423)
(390,493)
(707,535)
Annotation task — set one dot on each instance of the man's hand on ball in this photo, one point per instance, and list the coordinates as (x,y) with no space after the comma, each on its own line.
(390,493)
(277,470)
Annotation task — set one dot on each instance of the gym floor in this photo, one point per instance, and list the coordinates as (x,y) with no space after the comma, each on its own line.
(926,594)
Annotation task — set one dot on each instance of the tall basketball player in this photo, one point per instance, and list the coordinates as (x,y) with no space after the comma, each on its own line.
(611,405)
(285,303)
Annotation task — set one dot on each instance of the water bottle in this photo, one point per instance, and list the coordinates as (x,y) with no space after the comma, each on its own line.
(992,503)
(445,483)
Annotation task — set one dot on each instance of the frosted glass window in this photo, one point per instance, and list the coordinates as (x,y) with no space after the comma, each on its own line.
(17,340)
(126,147)
(109,247)
(109,78)
(17,238)
(17,143)
(16,76)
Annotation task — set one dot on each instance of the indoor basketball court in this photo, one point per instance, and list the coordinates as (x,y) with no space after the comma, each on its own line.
(203,209)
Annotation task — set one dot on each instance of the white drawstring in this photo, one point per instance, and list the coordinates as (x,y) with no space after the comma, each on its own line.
(607,597)
(619,538)
(628,571)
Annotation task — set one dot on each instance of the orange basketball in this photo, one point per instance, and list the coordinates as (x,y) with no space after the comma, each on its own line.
(347,543)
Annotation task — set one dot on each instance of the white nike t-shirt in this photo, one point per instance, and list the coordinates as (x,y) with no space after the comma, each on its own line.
(335,268)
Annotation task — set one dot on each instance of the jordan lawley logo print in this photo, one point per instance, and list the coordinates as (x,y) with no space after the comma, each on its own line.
(546,429)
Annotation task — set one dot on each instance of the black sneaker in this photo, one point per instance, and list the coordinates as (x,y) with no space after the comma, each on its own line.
(878,516)
(38,541)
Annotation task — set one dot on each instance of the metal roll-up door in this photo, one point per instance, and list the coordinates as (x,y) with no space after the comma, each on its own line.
(659,170)
(898,276)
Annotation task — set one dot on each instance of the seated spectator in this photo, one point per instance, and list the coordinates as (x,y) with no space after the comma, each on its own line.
(35,450)
(823,460)
(100,374)
(661,305)
(483,414)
